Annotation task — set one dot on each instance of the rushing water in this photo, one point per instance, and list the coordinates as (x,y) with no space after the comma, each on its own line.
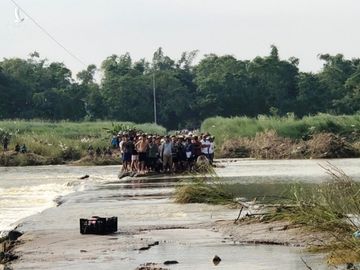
(25,191)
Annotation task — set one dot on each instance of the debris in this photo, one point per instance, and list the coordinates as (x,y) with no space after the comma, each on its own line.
(356,234)
(98,225)
(170,262)
(14,235)
(154,244)
(149,246)
(150,266)
(216,260)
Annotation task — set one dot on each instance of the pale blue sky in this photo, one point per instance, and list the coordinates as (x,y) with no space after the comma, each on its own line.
(95,29)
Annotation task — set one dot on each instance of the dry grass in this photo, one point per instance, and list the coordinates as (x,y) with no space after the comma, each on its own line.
(329,145)
(269,145)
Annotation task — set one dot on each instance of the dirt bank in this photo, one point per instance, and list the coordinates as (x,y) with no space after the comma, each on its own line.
(12,158)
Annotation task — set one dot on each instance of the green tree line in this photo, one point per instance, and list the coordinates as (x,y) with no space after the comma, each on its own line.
(186,93)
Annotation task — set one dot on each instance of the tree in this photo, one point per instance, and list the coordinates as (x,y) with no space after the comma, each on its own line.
(334,74)
(87,76)
(222,86)
(186,93)
(312,97)
(276,80)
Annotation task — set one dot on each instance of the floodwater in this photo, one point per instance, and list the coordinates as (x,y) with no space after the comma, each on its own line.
(28,195)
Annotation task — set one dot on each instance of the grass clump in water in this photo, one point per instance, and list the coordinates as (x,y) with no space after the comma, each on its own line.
(204,187)
(199,191)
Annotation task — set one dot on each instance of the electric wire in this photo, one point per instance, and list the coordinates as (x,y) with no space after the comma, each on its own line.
(48,34)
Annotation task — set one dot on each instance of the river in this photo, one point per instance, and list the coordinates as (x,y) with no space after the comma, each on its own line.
(28,195)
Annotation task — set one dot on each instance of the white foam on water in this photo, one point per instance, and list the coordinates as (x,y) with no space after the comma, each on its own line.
(17,203)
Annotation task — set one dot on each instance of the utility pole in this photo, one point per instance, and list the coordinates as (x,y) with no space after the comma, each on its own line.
(154,94)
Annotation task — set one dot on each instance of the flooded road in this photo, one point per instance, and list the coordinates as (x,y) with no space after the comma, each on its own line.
(146,213)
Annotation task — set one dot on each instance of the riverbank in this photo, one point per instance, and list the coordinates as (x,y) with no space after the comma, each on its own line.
(263,146)
(50,143)
(321,136)
(12,158)
(275,137)
(191,234)
(269,145)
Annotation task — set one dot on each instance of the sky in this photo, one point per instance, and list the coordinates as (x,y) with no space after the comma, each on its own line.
(95,29)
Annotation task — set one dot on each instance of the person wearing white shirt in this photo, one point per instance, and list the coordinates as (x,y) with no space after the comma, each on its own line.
(205,145)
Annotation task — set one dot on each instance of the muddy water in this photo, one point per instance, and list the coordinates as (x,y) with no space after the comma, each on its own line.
(142,203)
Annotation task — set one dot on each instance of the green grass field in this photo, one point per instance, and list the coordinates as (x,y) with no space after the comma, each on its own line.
(56,139)
(229,128)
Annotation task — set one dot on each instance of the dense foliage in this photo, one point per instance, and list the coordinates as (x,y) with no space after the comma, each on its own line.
(187,93)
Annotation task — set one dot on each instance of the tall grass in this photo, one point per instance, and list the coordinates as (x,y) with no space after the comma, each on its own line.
(229,128)
(332,207)
(56,139)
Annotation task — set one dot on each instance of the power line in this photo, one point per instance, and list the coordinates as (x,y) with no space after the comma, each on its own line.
(48,34)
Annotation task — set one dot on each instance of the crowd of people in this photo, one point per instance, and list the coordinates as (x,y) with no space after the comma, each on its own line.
(143,153)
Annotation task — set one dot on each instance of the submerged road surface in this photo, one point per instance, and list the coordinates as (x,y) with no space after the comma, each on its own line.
(152,228)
